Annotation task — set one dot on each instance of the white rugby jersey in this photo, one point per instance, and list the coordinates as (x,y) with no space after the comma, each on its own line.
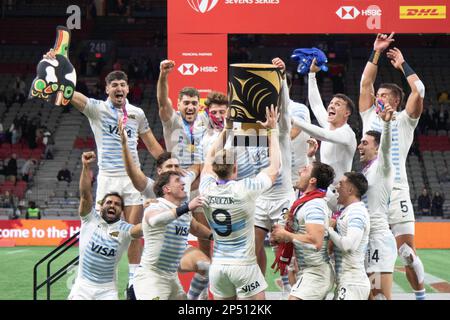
(187,179)
(186,146)
(314,211)
(101,247)
(402,128)
(338,146)
(350,266)
(103,118)
(299,146)
(165,245)
(380,177)
(230,212)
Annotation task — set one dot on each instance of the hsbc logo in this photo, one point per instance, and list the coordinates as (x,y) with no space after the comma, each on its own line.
(189,69)
(347,12)
(202,6)
(351,12)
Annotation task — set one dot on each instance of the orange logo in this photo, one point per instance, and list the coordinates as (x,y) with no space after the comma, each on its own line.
(423,12)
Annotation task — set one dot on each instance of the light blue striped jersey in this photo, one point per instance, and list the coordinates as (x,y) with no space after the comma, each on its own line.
(314,211)
(402,127)
(349,266)
(230,212)
(187,147)
(101,247)
(165,245)
(103,118)
(299,146)
(380,177)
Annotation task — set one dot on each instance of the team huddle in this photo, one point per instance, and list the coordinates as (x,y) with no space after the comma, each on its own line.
(330,227)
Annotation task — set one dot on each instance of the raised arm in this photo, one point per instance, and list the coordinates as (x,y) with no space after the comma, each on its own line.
(285,120)
(414,104)
(151,143)
(218,144)
(367,91)
(323,134)
(274,145)
(78,100)
(136,175)
(162,91)
(384,151)
(314,97)
(86,199)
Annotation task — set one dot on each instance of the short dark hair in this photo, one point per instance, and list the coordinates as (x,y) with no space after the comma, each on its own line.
(395,90)
(114,194)
(323,173)
(188,91)
(116,75)
(161,181)
(215,97)
(348,101)
(221,165)
(359,181)
(376,135)
(163,157)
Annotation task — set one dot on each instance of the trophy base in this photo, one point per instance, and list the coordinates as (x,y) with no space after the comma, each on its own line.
(249,135)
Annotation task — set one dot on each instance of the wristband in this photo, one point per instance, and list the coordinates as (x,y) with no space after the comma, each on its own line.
(374,57)
(407,70)
(182,209)
(270,131)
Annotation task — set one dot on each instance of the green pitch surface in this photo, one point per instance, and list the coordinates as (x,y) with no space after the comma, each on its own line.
(16,273)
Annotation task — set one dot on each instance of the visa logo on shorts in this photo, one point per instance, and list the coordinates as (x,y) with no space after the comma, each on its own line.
(251,286)
(423,12)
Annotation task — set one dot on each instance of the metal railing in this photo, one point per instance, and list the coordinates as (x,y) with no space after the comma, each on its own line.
(49,258)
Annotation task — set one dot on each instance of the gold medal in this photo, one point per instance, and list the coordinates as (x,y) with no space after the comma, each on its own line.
(191,148)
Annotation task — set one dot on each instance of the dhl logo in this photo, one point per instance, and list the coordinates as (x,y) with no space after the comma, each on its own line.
(423,12)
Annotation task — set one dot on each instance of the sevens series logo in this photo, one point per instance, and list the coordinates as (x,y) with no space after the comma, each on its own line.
(202,6)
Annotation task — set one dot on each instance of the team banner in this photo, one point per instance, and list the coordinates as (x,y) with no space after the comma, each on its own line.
(23,232)
(201,62)
(304,16)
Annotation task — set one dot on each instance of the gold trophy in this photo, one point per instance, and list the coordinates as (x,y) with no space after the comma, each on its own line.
(251,88)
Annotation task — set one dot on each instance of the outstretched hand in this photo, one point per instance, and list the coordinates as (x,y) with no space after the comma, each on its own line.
(279,64)
(383,41)
(50,54)
(314,68)
(122,132)
(272,116)
(396,57)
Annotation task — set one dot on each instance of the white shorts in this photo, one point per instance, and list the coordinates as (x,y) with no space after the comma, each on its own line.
(399,229)
(352,291)
(400,207)
(228,281)
(152,285)
(269,212)
(381,253)
(119,184)
(314,283)
(86,290)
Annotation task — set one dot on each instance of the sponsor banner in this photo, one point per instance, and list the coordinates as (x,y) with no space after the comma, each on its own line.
(38,232)
(303,16)
(423,12)
(200,62)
